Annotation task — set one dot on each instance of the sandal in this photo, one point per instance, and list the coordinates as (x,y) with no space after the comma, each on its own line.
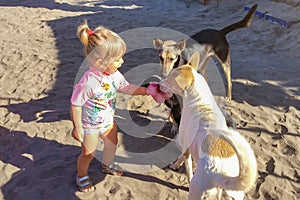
(84,184)
(112,169)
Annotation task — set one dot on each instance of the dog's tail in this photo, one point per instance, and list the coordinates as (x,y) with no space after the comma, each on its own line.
(241,24)
(247,162)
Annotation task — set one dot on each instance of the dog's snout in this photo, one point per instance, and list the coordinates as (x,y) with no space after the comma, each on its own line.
(164,73)
(163,87)
(165,70)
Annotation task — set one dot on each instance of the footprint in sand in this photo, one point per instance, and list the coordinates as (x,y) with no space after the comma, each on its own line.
(270,166)
(288,150)
(242,124)
(114,188)
(260,181)
(279,131)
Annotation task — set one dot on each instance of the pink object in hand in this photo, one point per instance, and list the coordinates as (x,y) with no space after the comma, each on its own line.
(158,95)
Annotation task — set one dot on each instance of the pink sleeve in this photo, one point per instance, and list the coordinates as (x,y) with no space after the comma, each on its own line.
(81,93)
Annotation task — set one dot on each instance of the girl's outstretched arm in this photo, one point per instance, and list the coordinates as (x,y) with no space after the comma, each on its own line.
(133,89)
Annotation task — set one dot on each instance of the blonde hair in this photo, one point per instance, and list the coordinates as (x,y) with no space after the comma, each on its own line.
(101,43)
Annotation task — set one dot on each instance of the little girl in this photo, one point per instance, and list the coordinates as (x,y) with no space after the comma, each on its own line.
(94,97)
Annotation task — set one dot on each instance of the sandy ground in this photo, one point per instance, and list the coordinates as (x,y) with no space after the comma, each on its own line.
(41,58)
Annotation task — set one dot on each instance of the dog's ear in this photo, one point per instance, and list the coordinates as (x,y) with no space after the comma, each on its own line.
(182,83)
(157,43)
(194,60)
(184,79)
(181,45)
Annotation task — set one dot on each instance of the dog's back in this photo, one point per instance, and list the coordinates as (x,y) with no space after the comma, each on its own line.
(217,38)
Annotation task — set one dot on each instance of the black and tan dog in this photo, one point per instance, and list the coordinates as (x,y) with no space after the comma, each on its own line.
(208,43)
(226,164)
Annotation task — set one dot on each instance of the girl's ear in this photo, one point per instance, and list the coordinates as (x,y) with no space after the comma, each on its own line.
(99,62)
(194,60)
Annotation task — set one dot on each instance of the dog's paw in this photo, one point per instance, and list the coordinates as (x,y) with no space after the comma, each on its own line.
(228,98)
(174,130)
(174,166)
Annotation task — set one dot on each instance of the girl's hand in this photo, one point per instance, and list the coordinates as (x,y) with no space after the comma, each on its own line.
(77,134)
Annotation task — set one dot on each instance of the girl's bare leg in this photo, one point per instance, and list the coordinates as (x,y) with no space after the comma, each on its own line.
(88,148)
(110,139)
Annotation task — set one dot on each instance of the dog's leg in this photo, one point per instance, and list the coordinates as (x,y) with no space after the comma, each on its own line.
(175,165)
(227,71)
(189,166)
(175,114)
(175,126)
(236,195)
(219,193)
(204,2)
(201,185)
(203,67)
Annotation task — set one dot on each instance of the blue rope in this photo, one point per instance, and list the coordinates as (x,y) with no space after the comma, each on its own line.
(270,18)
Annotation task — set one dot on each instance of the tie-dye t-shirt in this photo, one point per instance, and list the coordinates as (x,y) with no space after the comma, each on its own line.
(96,93)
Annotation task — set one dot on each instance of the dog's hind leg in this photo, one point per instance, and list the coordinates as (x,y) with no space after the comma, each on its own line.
(236,195)
(227,71)
(222,53)
(203,66)
(201,185)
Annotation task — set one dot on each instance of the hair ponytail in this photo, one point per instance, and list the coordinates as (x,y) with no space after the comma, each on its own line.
(82,33)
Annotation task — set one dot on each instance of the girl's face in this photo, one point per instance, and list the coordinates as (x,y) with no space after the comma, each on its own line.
(115,65)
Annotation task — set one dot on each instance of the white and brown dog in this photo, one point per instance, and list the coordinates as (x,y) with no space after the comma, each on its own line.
(209,42)
(226,164)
